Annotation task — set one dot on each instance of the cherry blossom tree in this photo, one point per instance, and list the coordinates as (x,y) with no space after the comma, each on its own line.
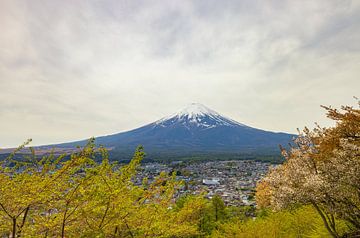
(322,169)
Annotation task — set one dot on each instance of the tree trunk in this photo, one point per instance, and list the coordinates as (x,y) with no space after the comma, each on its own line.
(23,221)
(216,212)
(14,228)
(116,230)
(63,225)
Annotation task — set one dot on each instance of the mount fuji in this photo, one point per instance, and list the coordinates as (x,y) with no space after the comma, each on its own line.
(194,130)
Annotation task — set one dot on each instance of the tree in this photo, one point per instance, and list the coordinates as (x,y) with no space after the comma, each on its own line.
(77,197)
(322,169)
(299,222)
(28,185)
(218,207)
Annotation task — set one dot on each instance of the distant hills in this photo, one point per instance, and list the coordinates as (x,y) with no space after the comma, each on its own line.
(194,131)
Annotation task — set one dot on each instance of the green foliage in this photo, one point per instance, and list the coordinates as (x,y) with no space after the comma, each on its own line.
(218,208)
(301,222)
(53,197)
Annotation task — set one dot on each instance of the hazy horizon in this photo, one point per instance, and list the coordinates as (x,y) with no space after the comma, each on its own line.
(72,70)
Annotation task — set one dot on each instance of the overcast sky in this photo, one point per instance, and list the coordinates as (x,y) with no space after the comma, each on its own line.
(74,69)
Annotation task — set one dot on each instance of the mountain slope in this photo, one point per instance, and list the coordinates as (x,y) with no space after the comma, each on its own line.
(194,129)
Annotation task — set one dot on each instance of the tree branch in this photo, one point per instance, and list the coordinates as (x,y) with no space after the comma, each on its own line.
(333,233)
(7,213)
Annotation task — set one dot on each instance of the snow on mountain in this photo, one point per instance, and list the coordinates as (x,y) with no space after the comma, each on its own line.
(194,110)
(198,115)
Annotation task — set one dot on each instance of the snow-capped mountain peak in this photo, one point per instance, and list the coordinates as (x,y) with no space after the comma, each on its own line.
(197,115)
(194,110)
(193,130)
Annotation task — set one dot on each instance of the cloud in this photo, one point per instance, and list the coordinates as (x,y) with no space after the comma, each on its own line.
(74,69)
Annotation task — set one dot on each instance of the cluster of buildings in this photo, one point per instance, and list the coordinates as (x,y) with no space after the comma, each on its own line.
(234,181)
